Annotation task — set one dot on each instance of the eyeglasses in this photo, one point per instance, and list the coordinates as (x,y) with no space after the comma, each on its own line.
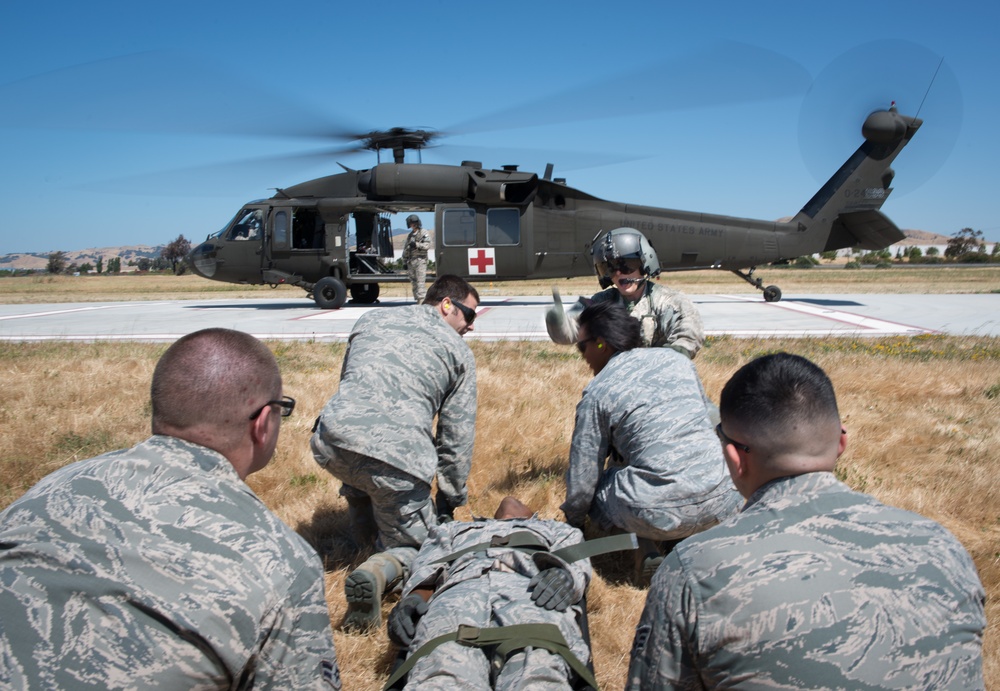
(287,404)
(468,313)
(582,345)
(726,440)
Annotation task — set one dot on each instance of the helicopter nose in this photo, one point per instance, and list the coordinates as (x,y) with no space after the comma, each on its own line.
(202,260)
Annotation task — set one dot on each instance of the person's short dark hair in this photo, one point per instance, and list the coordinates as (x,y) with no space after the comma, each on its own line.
(212,377)
(774,391)
(449,286)
(612,322)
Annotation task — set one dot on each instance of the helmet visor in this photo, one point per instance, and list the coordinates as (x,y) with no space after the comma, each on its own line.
(621,252)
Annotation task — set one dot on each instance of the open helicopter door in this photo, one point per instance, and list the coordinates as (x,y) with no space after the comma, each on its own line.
(482,243)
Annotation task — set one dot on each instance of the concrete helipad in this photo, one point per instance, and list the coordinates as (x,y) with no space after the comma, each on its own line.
(504,318)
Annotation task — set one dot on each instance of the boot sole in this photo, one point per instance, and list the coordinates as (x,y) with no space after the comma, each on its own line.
(364,602)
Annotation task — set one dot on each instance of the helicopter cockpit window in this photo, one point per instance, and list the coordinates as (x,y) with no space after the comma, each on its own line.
(247,225)
(459,227)
(503,227)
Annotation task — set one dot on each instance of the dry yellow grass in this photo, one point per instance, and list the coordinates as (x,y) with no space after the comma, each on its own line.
(902,279)
(921,413)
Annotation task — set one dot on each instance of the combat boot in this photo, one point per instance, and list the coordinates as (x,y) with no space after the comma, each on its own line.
(647,561)
(649,556)
(364,589)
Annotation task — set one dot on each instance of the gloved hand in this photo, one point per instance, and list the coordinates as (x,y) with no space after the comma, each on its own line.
(552,589)
(555,316)
(402,622)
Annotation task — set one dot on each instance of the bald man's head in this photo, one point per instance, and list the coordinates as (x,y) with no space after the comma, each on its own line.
(208,383)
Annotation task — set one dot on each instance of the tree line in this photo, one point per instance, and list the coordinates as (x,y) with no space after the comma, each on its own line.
(171,257)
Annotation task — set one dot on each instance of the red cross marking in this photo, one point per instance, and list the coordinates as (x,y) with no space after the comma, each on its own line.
(481,261)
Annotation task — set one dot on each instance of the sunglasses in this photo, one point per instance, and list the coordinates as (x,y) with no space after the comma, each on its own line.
(287,404)
(582,345)
(468,313)
(726,440)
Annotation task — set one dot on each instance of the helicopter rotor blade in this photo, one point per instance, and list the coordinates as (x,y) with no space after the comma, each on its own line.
(236,177)
(722,74)
(177,93)
(182,94)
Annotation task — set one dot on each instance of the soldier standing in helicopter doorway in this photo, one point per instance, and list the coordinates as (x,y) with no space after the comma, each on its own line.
(415,256)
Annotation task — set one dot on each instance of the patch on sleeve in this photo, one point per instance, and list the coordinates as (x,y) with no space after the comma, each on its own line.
(331,675)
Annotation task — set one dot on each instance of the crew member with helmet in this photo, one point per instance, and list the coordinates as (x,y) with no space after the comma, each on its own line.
(625,262)
(415,256)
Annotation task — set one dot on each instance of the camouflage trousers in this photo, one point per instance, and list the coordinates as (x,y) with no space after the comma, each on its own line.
(401,503)
(497,598)
(664,520)
(417,269)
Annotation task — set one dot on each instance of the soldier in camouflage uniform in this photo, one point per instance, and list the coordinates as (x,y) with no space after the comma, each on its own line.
(418,242)
(494,586)
(645,414)
(403,367)
(626,263)
(812,585)
(156,566)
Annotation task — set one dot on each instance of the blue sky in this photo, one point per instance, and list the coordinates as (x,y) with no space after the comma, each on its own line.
(131,123)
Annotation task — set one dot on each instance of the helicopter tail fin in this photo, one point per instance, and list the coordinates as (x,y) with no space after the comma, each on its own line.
(848,206)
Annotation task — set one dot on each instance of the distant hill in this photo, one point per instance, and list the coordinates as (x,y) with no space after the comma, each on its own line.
(40,260)
(923,237)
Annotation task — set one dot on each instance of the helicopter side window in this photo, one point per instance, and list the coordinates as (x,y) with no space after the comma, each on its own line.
(281,230)
(459,227)
(503,227)
(247,225)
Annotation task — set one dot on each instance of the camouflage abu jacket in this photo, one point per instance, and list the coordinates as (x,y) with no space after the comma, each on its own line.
(403,367)
(813,586)
(156,567)
(646,411)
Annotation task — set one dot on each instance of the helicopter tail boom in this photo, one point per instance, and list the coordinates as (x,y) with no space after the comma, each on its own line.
(846,210)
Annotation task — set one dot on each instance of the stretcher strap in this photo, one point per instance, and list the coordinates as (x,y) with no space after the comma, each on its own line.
(528,541)
(508,639)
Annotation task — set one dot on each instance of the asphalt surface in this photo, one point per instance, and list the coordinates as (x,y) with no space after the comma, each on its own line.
(504,318)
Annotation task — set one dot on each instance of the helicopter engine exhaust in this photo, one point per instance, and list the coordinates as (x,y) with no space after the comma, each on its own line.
(420,181)
(416,181)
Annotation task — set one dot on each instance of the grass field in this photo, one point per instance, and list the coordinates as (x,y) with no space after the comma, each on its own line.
(921,415)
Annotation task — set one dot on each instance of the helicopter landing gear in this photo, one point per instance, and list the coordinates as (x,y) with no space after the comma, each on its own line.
(364,293)
(771,293)
(330,293)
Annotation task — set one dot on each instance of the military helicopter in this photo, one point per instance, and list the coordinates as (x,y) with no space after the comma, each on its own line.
(506,224)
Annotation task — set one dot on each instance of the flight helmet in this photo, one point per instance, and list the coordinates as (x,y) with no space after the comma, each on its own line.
(619,245)
(413,219)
